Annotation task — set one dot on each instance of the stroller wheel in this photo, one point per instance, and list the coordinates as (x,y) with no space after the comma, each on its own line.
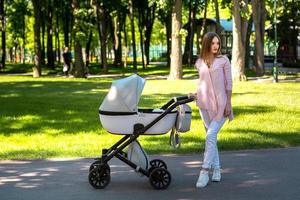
(160,178)
(95,164)
(99,177)
(157,163)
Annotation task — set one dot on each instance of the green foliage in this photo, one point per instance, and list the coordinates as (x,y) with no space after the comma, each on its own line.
(224,9)
(85,18)
(288,15)
(17,13)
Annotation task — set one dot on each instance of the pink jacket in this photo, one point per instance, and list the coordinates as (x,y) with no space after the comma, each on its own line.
(212,86)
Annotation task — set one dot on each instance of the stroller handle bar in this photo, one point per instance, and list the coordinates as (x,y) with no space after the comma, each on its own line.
(180,100)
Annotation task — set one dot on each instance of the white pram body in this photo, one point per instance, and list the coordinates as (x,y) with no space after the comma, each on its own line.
(124,124)
(119,112)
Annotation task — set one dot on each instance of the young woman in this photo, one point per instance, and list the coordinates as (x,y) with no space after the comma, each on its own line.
(214,101)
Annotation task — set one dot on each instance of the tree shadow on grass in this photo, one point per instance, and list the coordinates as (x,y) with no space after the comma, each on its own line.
(254,139)
(250,110)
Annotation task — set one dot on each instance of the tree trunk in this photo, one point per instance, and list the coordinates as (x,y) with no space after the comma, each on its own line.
(79,69)
(15,54)
(37,40)
(187,46)
(58,57)
(43,24)
(118,23)
(176,52)
(66,22)
(150,17)
(258,9)
(131,16)
(188,49)
(87,50)
(191,41)
(102,30)
(102,24)
(218,26)
(50,56)
(141,27)
(23,40)
(202,29)
(126,43)
(3,34)
(247,44)
(239,36)
(168,35)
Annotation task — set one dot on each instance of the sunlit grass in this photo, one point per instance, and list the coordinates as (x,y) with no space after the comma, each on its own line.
(58,117)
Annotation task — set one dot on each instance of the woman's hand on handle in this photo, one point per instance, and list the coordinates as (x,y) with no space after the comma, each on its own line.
(193,95)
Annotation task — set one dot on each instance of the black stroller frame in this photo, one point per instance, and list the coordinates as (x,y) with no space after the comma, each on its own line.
(159,176)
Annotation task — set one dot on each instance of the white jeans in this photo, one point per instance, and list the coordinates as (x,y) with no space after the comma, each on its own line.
(211,154)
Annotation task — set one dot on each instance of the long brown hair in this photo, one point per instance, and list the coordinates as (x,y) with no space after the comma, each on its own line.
(205,53)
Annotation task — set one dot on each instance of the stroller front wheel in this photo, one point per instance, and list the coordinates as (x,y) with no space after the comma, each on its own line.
(95,164)
(160,178)
(99,177)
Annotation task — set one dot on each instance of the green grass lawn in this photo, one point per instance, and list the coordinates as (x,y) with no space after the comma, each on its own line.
(58,117)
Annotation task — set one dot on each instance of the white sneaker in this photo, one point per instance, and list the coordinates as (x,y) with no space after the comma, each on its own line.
(216,177)
(203,179)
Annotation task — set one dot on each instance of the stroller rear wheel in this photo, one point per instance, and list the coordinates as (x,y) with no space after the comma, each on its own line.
(157,163)
(160,178)
(99,177)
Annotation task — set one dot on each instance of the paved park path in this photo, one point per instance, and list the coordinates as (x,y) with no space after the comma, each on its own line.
(253,174)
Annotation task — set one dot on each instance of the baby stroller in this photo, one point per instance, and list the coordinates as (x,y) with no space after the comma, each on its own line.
(119,114)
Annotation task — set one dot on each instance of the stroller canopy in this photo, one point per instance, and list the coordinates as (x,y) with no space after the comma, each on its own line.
(124,95)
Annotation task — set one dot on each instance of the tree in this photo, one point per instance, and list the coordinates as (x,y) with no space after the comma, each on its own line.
(247,46)
(131,16)
(119,12)
(141,7)
(288,23)
(218,27)
(102,26)
(202,30)
(67,19)
(189,42)
(50,55)
(149,21)
(37,70)
(164,14)
(240,9)
(258,10)
(58,13)
(16,27)
(176,52)
(3,33)
(79,36)
(146,16)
